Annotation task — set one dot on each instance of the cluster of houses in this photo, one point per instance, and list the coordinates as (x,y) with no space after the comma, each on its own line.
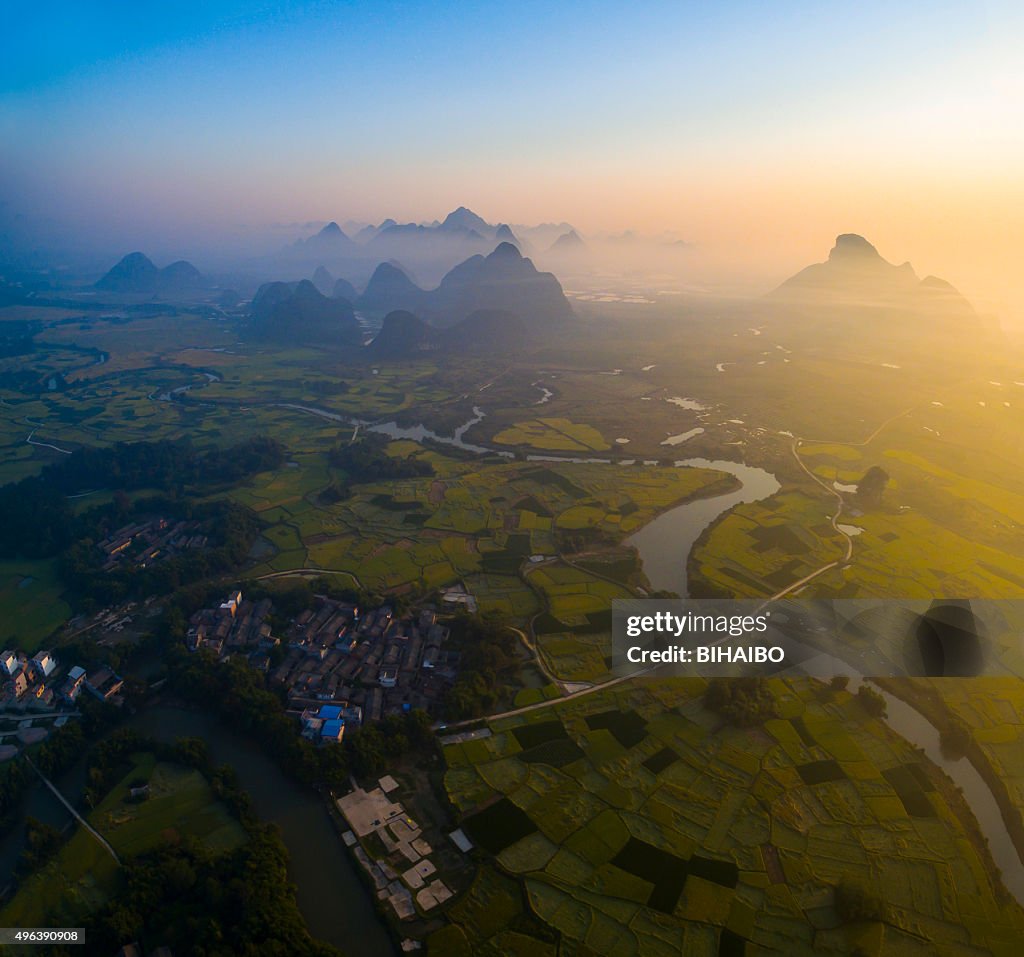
(376,660)
(338,664)
(236,626)
(144,543)
(39,682)
(400,862)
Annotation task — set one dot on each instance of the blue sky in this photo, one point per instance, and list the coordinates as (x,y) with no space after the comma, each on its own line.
(685,116)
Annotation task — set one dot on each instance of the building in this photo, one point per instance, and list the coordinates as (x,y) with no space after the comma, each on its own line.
(10,664)
(72,687)
(387,677)
(44,664)
(104,684)
(232,603)
(332,730)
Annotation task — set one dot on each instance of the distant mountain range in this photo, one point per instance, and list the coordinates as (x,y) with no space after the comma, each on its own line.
(491,301)
(503,281)
(856,275)
(568,243)
(404,335)
(330,242)
(136,273)
(298,313)
(323,280)
(391,288)
(431,249)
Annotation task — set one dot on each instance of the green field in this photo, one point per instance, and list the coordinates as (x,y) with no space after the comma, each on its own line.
(83,876)
(632,822)
(31,607)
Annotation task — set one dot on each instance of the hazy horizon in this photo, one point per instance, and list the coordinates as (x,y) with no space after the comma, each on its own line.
(755,135)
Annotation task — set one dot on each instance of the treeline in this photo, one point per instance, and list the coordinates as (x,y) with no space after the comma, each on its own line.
(183,897)
(366,460)
(165,464)
(488,667)
(39,521)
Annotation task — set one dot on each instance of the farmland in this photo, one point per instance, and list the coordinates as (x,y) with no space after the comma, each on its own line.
(473,521)
(633,822)
(630,820)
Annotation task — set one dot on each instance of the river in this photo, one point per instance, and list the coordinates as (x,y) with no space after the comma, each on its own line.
(664,544)
(910,724)
(334,902)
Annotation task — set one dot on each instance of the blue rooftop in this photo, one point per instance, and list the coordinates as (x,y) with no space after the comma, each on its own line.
(329,712)
(332,729)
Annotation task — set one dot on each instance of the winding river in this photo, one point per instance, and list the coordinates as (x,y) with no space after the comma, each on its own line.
(910,724)
(664,544)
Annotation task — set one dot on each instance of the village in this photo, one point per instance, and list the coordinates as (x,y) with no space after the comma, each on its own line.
(38,696)
(40,684)
(339,665)
(145,543)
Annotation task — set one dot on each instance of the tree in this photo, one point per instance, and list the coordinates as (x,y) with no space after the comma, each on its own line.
(854,902)
(955,739)
(741,701)
(871,701)
(871,487)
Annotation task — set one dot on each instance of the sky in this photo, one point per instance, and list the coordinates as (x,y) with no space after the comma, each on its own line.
(757,131)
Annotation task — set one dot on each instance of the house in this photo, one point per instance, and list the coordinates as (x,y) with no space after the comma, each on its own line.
(196,636)
(430,655)
(44,695)
(44,664)
(232,603)
(9,662)
(332,730)
(387,677)
(352,714)
(346,643)
(104,684)
(373,704)
(73,685)
(261,662)
(19,684)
